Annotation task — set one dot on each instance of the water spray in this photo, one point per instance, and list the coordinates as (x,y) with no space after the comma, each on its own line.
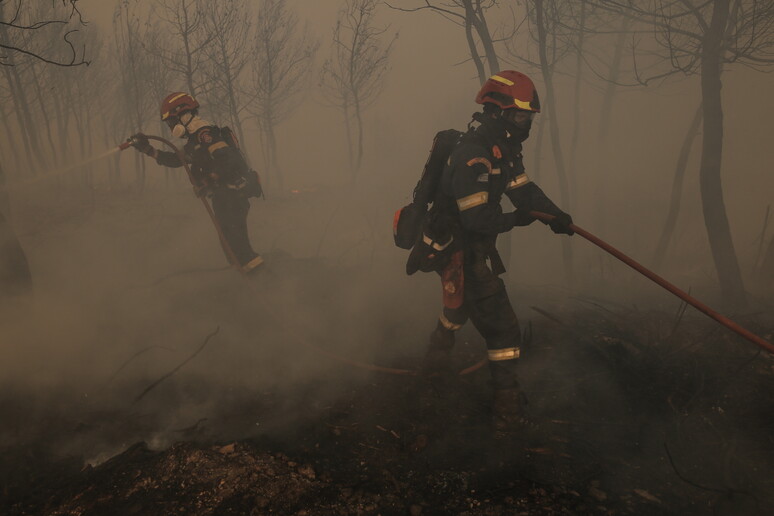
(65,170)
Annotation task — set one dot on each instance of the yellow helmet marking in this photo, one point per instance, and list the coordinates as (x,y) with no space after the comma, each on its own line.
(177,97)
(522,104)
(166,115)
(502,80)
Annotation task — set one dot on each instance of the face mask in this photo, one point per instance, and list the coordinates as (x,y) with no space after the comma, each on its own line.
(180,129)
(518,131)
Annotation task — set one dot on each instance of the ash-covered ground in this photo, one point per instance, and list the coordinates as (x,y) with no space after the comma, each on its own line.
(144,378)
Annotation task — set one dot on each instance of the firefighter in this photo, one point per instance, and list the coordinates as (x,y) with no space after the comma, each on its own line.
(218,167)
(485,165)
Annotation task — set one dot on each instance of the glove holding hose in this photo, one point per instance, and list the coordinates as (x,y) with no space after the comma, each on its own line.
(140,142)
(530,197)
(561,224)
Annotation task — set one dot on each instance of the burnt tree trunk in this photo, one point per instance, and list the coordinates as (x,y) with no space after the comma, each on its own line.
(713,205)
(547,72)
(271,146)
(606,114)
(15,275)
(44,112)
(5,201)
(577,95)
(19,117)
(766,271)
(479,22)
(359,140)
(677,190)
(10,137)
(472,46)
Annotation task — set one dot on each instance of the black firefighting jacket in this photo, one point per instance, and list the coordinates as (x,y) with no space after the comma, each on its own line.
(214,161)
(479,171)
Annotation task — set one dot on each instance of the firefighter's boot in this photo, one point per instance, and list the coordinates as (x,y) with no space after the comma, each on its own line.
(509,414)
(252,265)
(437,359)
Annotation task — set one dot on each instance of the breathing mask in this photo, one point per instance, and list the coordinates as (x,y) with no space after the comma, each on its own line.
(518,123)
(179,126)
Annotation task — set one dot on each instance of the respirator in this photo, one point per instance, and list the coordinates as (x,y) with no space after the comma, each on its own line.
(180,128)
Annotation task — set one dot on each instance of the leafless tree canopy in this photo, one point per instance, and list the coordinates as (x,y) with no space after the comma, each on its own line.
(471,16)
(226,60)
(355,71)
(181,37)
(25,34)
(281,59)
(679,27)
(353,77)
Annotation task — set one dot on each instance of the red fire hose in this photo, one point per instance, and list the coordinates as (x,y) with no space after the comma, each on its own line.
(725,321)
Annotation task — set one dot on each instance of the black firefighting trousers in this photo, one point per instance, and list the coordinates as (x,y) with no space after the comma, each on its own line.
(231,208)
(486,304)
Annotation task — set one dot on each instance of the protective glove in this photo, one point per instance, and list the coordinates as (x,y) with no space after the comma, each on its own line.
(521,217)
(141,143)
(561,224)
(201,190)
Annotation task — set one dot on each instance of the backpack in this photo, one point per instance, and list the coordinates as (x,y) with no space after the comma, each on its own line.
(424,230)
(253,186)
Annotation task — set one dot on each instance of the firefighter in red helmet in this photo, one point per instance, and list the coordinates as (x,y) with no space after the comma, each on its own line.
(485,165)
(219,170)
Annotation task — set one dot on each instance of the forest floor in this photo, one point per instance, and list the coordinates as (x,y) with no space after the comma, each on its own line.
(640,410)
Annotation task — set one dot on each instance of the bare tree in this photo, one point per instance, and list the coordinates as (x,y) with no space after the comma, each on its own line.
(15,29)
(700,37)
(134,66)
(229,24)
(20,41)
(546,25)
(281,57)
(471,16)
(612,65)
(352,77)
(181,52)
(677,190)
(160,77)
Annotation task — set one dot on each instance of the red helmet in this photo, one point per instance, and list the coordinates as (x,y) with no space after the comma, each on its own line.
(510,89)
(176,103)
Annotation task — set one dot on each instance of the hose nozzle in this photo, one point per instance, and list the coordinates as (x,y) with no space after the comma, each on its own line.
(128,143)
